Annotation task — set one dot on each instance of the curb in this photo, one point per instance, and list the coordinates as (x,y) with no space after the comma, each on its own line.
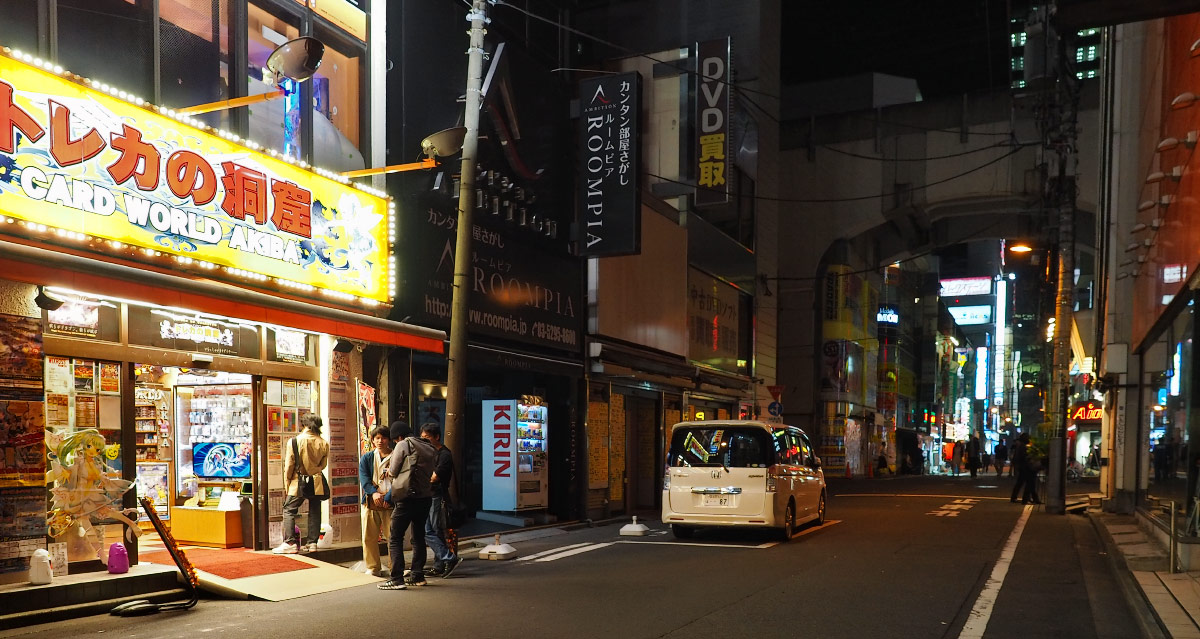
(1152,627)
(88,609)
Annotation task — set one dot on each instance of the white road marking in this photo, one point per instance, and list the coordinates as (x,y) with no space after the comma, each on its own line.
(977,621)
(550,552)
(582,549)
(912,495)
(693,543)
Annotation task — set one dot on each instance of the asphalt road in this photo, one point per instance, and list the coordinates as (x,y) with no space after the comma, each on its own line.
(908,557)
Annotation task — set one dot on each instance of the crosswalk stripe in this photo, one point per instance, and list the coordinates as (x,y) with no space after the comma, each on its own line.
(550,552)
(575,551)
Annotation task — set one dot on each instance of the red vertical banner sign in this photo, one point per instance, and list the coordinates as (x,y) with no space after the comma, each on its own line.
(366,416)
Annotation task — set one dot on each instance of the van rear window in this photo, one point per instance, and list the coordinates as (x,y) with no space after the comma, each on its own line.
(721,446)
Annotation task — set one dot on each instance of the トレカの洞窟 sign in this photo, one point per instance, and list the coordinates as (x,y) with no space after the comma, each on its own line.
(98,167)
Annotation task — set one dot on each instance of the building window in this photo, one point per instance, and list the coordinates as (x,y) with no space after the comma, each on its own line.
(275,124)
(338,93)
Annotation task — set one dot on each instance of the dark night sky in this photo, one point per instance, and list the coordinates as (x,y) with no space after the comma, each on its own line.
(941,43)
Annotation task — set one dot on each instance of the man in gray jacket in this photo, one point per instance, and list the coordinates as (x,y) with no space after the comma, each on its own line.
(410,467)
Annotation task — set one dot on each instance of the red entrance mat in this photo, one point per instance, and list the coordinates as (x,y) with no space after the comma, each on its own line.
(231,563)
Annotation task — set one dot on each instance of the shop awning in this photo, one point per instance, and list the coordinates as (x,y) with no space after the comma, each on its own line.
(34,265)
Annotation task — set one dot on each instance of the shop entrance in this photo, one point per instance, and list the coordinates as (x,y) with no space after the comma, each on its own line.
(194,432)
(644,485)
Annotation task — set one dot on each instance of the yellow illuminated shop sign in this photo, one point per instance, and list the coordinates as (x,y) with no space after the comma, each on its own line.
(80,165)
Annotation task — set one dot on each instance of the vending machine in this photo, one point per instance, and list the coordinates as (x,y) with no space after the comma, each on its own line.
(515,475)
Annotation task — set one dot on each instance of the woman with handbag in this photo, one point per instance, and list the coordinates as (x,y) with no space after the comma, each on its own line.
(376,512)
(304,461)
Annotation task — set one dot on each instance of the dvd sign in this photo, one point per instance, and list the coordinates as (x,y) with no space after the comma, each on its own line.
(712,122)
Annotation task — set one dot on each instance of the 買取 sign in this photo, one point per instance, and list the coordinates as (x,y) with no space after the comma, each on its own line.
(115,179)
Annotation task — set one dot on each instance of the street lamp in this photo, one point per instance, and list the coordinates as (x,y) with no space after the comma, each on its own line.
(296,60)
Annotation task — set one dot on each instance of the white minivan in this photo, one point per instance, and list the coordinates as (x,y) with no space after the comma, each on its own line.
(743,474)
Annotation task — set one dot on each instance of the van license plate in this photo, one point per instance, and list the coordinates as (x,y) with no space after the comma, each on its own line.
(718,500)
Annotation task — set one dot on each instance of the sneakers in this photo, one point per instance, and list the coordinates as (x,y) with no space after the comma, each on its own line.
(285,549)
(394,584)
(312,548)
(414,580)
(450,566)
(436,571)
(375,572)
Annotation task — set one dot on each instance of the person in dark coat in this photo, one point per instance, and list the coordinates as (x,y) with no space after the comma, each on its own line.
(1000,456)
(1026,472)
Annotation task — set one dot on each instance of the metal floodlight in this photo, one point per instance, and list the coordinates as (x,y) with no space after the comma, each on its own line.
(294,60)
(444,143)
(46,301)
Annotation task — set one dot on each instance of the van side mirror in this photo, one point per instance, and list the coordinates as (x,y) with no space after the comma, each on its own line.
(815,461)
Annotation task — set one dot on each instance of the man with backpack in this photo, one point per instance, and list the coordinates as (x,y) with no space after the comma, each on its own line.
(445,560)
(411,469)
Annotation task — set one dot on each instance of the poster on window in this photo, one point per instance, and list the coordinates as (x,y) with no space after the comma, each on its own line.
(274,419)
(85,376)
(58,375)
(21,352)
(110,378)
(58,410)
(85,411)
(366,416)
(289,392)
(22,451)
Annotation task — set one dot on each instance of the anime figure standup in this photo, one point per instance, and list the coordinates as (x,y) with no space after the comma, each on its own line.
(83,489)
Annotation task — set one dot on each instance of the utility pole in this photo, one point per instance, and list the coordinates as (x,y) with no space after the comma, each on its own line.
(456,373)
(1048,74)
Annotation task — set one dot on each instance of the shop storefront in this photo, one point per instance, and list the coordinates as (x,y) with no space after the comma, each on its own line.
(173,302)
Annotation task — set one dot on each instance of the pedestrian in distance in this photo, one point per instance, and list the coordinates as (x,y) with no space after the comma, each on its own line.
(410,468)
(305,454)
(999,456)
(445,560)
(376,514)
(1026,472)
(956,456)
(1161,457)
(973,456)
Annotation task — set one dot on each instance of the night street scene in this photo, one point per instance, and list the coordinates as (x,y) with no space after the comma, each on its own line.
(599,318)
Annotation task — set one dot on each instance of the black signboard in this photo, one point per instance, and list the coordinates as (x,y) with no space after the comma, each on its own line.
(712,122)
(519,290)
(186,332)
(609,203)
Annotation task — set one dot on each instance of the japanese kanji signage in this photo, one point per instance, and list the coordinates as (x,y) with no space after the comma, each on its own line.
(85,162)
(610,206)
(518,292)
(712,122)
(713,322)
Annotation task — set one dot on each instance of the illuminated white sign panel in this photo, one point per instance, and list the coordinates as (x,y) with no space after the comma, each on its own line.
(981,373)
(967,286)
(887,315)
(967,315)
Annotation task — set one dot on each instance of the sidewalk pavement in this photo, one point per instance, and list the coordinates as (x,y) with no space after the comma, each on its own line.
(1172,597)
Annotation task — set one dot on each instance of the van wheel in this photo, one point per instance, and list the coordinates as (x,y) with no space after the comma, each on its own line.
(682,532)
(789,522)
(820,520)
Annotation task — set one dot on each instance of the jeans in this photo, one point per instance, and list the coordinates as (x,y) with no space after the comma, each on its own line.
(435,532)
(291,506)
(412,512)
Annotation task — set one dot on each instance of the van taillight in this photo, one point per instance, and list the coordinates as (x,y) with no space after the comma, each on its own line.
(667,480)
(770,484)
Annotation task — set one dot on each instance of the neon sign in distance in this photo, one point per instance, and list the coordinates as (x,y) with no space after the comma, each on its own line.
(968,315)
(967,286)
(92,167)
(1088,412)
